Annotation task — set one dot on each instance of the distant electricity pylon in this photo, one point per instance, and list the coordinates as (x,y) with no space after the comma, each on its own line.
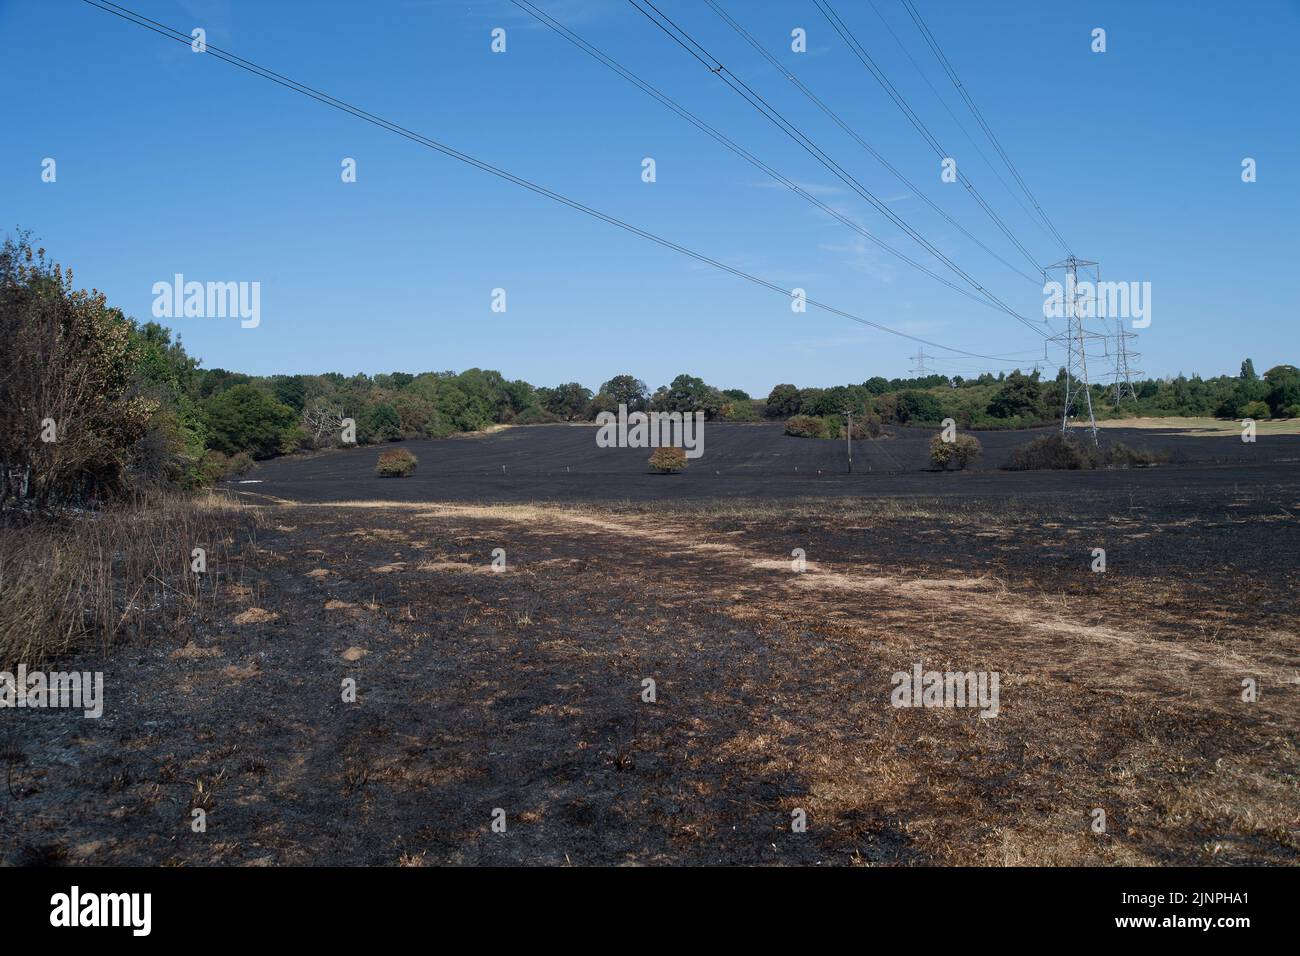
(1123,372)
(1074,339)
(919,362)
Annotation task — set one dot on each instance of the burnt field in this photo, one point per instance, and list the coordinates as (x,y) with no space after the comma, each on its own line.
(753,462)
(521,690)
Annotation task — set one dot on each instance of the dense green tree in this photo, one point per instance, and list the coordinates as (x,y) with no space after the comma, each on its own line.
(876,385)
(1019,397)
(919,407)
(245,418)
(290,390)
(782,402)
(688,393)
(624,390)
(216,380)
(569,401)
(382,423)
(1283,395)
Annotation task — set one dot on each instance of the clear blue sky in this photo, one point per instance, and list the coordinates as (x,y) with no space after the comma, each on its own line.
(173,162)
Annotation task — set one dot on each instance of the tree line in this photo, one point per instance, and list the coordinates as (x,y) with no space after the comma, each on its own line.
(93,403)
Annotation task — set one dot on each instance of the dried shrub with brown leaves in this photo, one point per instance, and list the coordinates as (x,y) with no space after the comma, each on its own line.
(396,464)
(668,460)
(69,418)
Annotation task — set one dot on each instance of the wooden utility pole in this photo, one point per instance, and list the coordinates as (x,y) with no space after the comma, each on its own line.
(848,436)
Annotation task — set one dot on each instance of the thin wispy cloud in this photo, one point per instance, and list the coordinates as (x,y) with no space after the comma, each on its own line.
(862,256)
(812,189)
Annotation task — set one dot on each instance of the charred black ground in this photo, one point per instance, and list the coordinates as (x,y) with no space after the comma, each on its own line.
(753,462)
(521,690)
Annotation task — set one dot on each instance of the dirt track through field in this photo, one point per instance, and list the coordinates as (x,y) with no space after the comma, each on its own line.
(983,598)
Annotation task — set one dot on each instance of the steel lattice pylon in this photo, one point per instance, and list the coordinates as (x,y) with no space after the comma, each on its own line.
(1074,339)
(1123,371)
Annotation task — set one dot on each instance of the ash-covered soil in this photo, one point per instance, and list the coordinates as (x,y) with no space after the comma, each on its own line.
(754,462)
(522,689)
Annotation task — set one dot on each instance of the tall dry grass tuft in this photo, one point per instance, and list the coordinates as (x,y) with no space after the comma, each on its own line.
(79,579)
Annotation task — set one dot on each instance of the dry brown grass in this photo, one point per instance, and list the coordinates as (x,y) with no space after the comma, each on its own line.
(93,577)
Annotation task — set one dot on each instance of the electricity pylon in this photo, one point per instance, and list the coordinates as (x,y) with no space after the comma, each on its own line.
(1074,339)
(1123,372)
(919,358)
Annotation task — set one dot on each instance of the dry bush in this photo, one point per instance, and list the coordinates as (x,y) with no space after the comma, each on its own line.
(1120,455)
(215,466)
(668,459)
(962,452)
(69,418)
(94,577)
(806,426)
(865,425)
(1067,452)
(1060,452)
(396,464)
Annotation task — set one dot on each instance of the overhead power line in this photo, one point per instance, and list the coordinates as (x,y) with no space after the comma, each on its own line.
(958,123)
(840,27)
(695,49)
(604,59)
(839,121)
(979,116)
(172,34)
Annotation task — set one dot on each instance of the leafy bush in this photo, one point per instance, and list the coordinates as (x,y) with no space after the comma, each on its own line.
(1255,410)
(668,460)
(963,451)
(397,463)
(806,426)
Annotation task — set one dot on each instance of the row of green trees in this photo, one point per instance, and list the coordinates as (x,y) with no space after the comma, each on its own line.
(1020,400)
(92,402)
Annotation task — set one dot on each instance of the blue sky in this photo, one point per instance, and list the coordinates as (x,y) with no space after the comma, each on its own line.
(173,162)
